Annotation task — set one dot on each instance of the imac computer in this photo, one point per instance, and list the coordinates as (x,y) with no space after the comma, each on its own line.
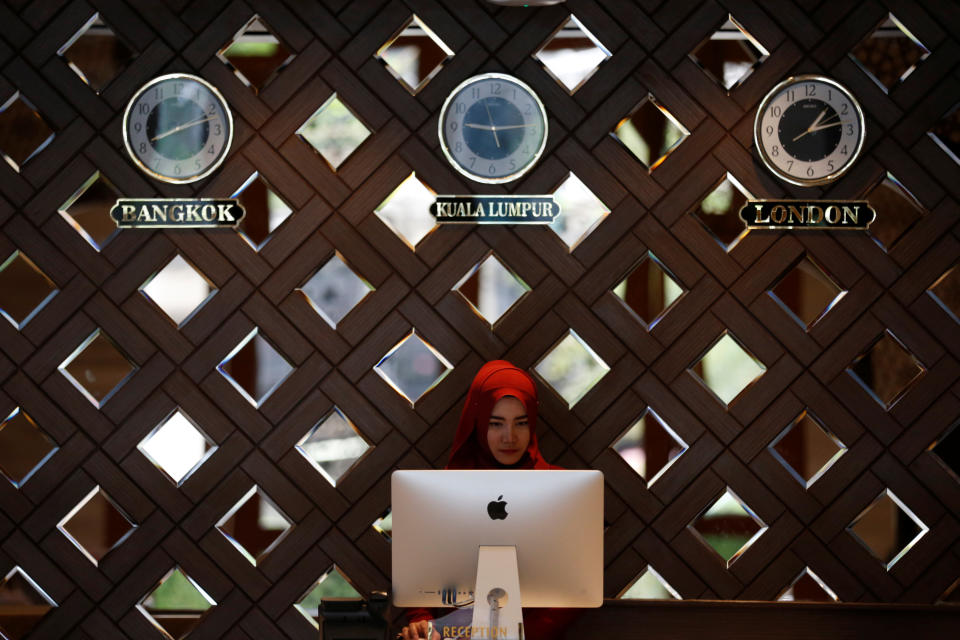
(450,527)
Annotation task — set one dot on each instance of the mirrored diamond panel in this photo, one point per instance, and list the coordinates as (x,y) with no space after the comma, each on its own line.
(887,369)
(730,54)
(332,584)
(890,53)
(727,368)
(806,292)
(650,585)
(98,368)
(719,212)
(334,446)
(582,211)
(255,368)
(176,605)
(414,55)
(649,290)
(96,525)
(178,289)
(265,211)
(572,54)
(728,527)
(334,290)
(177,447)
(24,447)
(571,368)
(334,131)
(650,132)
(23,131)
(649,446)
(24,289)
(88,211)
(491,288)
(96,54)
(23,603)
(807,449)
(255,525)
(406,211)
(887,528)
(413,367)
(256,54)
(808,587)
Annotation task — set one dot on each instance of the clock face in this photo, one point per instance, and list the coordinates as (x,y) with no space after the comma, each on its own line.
(809,130)
(493,128)
(177,128)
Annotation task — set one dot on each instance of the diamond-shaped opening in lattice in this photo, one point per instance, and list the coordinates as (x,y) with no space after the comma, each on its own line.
(178,289)
(581,211)
(649,290)
(806,292)
(23,603)
(256,54)
(951,595)
(571,368)
(98,368)
(887,528)
(384,524)
(177,446)
(23,131)
(413,367)
(96,53)
(255,525)
(414,55)
(947,450)
(946,291)
(332,584)
(807,587)
(649,585)
(571,55)
(176,605)
(897,211)
(255,368)
(491,288)
(406,211)
(728,368)
(335,289)
(335,131)
(265,211)
(650,446)
(887,369)
(96,525)
(24,289)
(728,526)
(946,133)
(334,446)
(88,211)
(719,212)
(807,448)
(730,54)
(650,132)
(890,53)
(24,447)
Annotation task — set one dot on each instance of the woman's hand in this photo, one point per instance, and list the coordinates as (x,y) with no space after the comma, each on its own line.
(419,630)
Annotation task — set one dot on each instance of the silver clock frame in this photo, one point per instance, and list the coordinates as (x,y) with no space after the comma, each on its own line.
(768,162)
(443,141)
(216,94)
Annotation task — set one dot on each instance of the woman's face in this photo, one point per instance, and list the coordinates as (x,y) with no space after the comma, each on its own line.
(508,434)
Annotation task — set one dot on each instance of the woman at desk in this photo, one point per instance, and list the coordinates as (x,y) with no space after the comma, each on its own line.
(497,430)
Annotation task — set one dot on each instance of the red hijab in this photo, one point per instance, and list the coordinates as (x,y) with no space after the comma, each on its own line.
(495,380)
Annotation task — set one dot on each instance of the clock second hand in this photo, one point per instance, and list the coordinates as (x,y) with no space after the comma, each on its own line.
(181,127)
(504,127)
(813,124)
(493,127)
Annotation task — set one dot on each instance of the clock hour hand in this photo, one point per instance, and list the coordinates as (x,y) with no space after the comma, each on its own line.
(827,126)
(181,127)
(493,127)
(812,126)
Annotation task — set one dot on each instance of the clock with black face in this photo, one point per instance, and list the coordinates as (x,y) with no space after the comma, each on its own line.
(809,130)
(493,128)
(178,128)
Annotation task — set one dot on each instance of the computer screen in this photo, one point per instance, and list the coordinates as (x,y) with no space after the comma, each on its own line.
(553,518)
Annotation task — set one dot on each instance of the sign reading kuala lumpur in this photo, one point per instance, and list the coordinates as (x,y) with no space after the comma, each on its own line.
(138,213)
(496,209)
(808,214)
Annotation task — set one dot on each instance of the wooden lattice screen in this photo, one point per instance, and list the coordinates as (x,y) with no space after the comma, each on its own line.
(334,43)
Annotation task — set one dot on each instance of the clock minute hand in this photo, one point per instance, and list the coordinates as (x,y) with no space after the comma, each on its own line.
(181,127)
(493,127)
(515,126)
(812,127)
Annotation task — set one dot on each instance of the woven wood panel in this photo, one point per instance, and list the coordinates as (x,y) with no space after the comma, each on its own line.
(334,43)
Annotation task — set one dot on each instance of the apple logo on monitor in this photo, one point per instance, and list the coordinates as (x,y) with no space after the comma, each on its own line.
(497,510)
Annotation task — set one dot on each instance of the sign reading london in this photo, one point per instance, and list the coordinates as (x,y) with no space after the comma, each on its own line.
(807,214)
(496,209)
(187,213)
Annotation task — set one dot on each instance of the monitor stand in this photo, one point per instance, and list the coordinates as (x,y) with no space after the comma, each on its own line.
(496,607)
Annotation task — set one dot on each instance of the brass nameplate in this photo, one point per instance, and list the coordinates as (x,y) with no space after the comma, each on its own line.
(808,214)
(496,209)
(176,213)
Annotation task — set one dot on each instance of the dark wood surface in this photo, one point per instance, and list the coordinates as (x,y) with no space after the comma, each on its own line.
(334,42)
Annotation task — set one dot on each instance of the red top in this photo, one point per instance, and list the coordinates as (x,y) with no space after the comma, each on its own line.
(495,380)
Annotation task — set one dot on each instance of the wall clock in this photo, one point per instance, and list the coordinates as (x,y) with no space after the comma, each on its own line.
(809,130)
(493,128)
(177,128)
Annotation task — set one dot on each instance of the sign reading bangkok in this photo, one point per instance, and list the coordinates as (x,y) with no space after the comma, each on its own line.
(134,213)
(808,214)
(496,209)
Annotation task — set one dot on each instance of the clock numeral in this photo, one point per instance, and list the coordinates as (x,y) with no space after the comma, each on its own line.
(829,95)
(211,150)
(769,130)
(775,111)
(495,88)
(211,109)
(843,109)
(791,95)
(810,172)
(144,108)
(460,108)
(176,169)
(137,127)
(849,129)
(529,110)
(197,163)
(453,126)
(830,164)
(158,93)
(843,150)
(474,92)
(775,150)
(217,130)
(513,165)
(809,90)
(493,169)
(789,165)
(177,88)
(473,161)
(143,147)
(458,147)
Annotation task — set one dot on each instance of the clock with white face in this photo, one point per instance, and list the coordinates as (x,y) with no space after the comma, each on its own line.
(809,130)
(493,128)
(178,128)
